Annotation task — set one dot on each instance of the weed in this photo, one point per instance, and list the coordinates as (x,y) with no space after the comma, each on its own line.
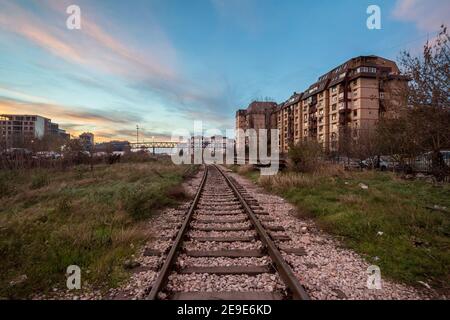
(91,220)
(39,181)
(414,245)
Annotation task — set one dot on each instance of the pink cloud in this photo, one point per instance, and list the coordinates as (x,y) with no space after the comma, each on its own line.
(91,46)
(146,66)
(427,15)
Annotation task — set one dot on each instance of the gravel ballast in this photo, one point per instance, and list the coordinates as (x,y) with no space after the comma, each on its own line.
(327,270)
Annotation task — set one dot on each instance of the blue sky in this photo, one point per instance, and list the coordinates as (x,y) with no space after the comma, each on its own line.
(163,63)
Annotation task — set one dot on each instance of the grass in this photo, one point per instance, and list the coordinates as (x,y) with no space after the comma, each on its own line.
(415,241)
(52,219)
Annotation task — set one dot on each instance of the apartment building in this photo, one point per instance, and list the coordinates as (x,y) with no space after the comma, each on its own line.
(288,121)
(341,105)
(15,130)
(258,115)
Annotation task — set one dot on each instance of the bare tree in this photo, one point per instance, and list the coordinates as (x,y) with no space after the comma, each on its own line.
(422,123)
(365,145)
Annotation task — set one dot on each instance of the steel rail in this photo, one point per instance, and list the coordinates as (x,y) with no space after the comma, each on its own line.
(285,272)
(173,253)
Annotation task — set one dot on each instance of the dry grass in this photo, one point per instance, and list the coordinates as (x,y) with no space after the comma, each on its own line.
(244,169)
(291,180)
(283,182)
(414,245)
(94,219)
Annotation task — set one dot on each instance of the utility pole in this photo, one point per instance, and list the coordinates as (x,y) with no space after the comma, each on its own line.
(137,134)
(153,144)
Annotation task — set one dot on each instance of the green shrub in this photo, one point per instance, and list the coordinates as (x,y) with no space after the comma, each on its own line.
(39,181)
(305,156)
(6,188)
(141,202)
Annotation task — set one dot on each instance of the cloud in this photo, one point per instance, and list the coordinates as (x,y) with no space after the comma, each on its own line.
(75,120)
(90,47)
(427,15)
(63,113)
(154,70)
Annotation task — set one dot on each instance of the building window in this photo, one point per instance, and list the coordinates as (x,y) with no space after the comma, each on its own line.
(366,70)
(333,107)
(355,113)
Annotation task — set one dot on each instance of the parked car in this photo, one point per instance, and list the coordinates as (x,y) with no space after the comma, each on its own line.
(14,152)
(100,154)
(424,162)
(48,155)
(383,163)
(353,164)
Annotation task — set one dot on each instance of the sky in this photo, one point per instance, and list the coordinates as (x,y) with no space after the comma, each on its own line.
(162,64)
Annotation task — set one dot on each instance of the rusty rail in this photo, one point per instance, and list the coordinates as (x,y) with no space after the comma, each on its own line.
(285,272)
(173,253)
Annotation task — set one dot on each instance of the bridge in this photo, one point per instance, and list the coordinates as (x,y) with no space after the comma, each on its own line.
(168,145)
(155,145)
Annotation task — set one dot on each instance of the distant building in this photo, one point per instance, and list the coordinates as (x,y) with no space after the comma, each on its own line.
(258,115)
(219,144)
(87,140)
(16,130)
(57,132)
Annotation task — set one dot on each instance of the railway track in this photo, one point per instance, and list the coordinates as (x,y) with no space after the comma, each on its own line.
(226,233)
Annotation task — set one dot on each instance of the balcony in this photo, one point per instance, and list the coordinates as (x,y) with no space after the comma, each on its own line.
(343,120)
